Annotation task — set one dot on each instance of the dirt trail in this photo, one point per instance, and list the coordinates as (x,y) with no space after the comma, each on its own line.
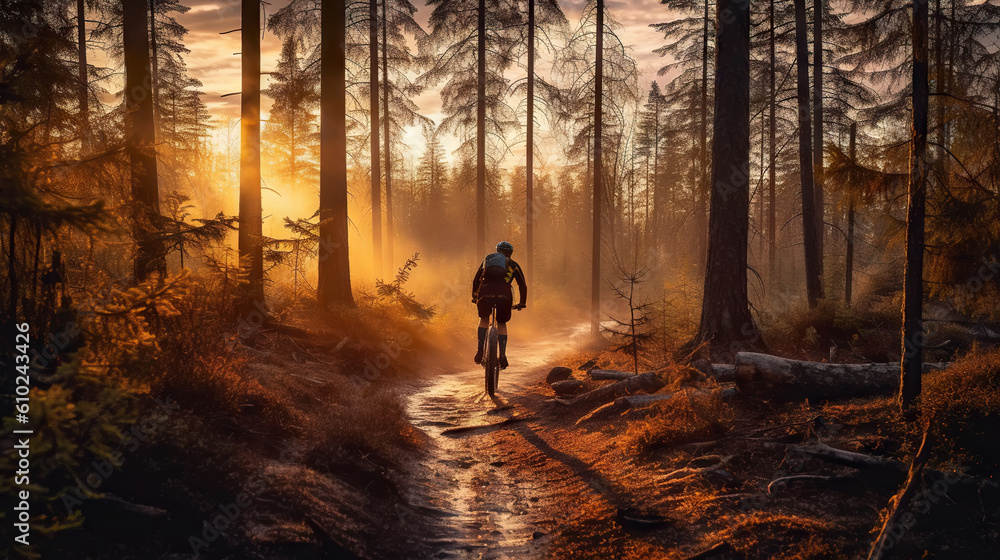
(484,497)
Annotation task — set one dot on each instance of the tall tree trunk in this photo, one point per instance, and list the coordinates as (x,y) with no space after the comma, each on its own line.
(530,145)
(657,196)
(334,284)
(595,276)
(809,227)
(849,272)
(251,235)
(772,233)
(140,141)
(154,64)
(81,45)
(726,323)
(376,170)
(913,284)
(818,132)
(481,132)
(703,186)
(386,122)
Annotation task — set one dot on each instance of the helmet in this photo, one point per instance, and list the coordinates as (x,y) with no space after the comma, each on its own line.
(505,248)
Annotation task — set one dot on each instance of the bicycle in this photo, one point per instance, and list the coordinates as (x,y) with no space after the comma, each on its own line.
(491,353)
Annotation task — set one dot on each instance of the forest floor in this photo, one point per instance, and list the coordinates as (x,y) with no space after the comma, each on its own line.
(419,463)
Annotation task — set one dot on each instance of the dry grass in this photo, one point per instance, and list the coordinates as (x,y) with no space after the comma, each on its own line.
(962,405)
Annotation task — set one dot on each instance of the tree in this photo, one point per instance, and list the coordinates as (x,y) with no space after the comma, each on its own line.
(474,96)
(819,9)
(913,284)
(373,108)
(600,82)
(334,284)
(149,257)
(634,333)
(291,128)
(726,323)
(83,71)
(650,145)
(809,228)
(398,110)
(251,236)
(595,278)
(551,15)
(691,44)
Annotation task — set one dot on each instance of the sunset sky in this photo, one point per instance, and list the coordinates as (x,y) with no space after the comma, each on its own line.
(212,58)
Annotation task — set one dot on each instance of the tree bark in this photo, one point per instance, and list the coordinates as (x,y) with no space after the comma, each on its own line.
(376,171)
(595,276)
(81,43)
(386,122)
(251,235)
(725,317)
(772,234)
(139,127)
(530,147)
(783,380)
(849,266)
(481,133)
(809,227)
(154,65)
(818,132)
(703,179)
(334,285)
(913,285)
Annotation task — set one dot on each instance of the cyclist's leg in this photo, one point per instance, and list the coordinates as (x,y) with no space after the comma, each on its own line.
(484,307)
(504,304)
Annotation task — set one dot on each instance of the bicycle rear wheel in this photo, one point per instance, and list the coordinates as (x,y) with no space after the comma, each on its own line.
(492,362)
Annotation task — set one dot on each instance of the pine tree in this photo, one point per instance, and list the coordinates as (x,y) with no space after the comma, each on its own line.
(726,323)
(149,256)
(334,285)
(470,47)
(291,134)
(251,237)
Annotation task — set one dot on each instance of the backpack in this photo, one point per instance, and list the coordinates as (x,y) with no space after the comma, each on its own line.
(494,267)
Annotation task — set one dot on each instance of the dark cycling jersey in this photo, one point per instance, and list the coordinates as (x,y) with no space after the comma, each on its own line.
(487,283)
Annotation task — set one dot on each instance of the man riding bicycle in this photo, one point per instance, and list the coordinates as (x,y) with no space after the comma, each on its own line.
(492,288)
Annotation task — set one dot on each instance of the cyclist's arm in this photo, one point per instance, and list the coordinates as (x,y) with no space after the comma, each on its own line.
(477,281)
(522,285)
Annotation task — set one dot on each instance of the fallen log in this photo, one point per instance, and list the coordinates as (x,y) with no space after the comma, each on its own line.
(723,373)
(780,379)
(605,374)
(642,383)
(621,405)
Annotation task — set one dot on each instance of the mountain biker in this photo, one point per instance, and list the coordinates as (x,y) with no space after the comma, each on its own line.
(492,287)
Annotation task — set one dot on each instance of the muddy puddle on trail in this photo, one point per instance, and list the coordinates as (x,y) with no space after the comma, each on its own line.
(477,496)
